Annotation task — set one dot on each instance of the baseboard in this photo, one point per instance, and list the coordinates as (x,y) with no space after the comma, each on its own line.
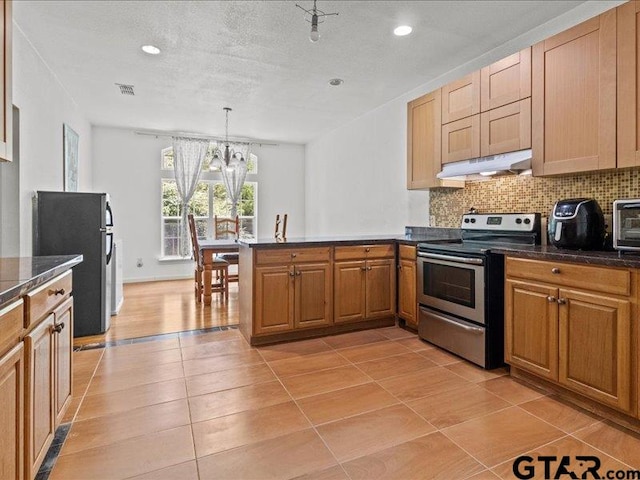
(157,279)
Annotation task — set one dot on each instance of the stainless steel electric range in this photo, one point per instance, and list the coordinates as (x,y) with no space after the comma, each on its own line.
(461,285)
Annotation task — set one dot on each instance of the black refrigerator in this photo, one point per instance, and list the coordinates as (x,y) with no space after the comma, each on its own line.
(67,223)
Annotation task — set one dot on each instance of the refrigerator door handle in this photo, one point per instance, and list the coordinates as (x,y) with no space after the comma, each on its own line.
(109,216)
(109,247)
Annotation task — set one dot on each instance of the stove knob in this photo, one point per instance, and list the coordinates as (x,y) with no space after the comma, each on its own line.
(518,221)
(527,221)
(466,220)
(473,220)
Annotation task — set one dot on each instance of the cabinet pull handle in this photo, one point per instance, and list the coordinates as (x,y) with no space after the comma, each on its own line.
(555,270)
(562,301)
(59,291)
(551,299)
(58,328)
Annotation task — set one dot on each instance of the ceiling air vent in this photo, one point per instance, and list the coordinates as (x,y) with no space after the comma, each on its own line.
(126,89)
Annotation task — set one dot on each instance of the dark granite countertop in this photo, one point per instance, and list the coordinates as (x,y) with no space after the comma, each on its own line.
(18,275)
(589,257)
(412,236)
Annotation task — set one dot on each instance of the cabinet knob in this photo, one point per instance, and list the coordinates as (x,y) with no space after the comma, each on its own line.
(291,274)
(293,255)
(368,268)
(562,301)
(399,267)
(367,249)
(58,328)
(59,291)
(551,299)
(555,270)
(298,272)
(363,268)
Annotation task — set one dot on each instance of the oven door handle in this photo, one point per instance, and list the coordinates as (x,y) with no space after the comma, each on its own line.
(475,330)
(451,258)
(626,206)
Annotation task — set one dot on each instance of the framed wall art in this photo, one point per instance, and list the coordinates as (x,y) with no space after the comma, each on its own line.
(70,141)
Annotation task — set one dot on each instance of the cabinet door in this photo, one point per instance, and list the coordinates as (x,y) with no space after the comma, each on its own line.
(461,140)
(274,299)
(506,129)
(506,81)
(380,288)
(423,143)
(349,291)
(63,348)
(313,295)
(574,99)
(595,347)
(461,98)
(12,413)
(5,80)
(407,303)
(628,101)
(531,328)
(39,410)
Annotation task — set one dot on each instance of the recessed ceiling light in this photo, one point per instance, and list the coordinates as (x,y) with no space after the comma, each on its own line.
(402,30)
(150,49)
(336,82)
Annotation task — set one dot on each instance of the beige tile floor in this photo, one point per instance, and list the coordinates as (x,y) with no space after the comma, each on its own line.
(366,405)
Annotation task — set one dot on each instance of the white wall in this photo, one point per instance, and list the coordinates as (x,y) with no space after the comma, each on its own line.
(356,174)
(127,166)
(44,106)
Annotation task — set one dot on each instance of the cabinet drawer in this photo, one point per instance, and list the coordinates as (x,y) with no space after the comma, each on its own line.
(599,279)
(43,299)
(407,252)
(11,319)
(356,252)
(293,255)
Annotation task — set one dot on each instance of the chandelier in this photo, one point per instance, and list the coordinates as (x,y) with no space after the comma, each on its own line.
(315,16)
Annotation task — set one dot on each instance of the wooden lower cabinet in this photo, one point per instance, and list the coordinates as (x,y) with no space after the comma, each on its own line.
(531,327)
(364,290)
(581,340)
(407,281)
(290,297)
(39,404)
(63,351)
(12,413)
(595,347)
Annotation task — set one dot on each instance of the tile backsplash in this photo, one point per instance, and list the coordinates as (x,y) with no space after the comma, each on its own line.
(524,193)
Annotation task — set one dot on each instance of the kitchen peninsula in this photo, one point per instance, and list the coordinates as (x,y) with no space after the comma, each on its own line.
(308,287)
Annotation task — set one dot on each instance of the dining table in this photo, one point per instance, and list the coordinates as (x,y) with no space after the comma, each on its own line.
(209,248)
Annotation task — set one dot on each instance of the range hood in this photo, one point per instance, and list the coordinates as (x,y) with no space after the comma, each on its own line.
(513,162)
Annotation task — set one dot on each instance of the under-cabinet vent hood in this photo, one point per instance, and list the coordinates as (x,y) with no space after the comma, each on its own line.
(514,162)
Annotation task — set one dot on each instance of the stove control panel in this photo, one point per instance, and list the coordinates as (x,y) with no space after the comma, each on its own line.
(510,222)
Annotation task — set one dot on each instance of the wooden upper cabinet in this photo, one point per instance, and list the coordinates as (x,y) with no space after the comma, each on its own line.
(5,81)
(423,143)
(461,98)
(461,139)
(628,16)
(574,99)
(506,129)
(506,81)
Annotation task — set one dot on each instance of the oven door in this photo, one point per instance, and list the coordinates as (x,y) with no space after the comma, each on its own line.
(452,284)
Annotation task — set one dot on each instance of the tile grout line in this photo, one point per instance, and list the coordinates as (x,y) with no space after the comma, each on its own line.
(193,438)
(307,418)
(596,448)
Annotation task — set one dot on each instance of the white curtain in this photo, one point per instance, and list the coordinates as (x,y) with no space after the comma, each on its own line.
(188,155)
(233,166)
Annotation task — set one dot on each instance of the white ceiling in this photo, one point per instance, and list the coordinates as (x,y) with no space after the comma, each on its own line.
(255,57)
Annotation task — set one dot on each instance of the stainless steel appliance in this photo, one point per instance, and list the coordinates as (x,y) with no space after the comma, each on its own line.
(79,223)
(577,223)
(626,224)
(461,285)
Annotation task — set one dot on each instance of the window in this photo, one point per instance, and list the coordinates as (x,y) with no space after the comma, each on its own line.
(210,199)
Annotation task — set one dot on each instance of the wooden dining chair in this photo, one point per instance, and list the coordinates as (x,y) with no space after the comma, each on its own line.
(281,235)
(226,227)
(220,266)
